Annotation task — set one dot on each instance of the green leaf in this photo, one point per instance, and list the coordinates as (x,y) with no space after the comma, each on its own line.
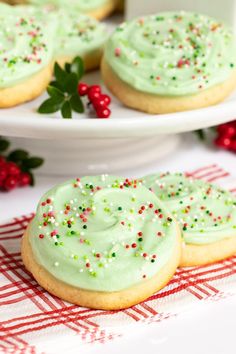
(60,74)
(71,83)
(4,144)
(76,103)
(33,162)
(66,110)
(68,67)
(55,93)
(18,155)
(50,106)
(200,134)
(77,67)
(57,85)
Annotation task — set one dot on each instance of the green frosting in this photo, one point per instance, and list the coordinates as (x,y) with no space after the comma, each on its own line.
(26,43)
(30,38)
(172,54)
(83,6)
(205,212)
(102,233)
(79,34)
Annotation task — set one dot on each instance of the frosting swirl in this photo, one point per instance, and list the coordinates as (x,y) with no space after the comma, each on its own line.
(172,54)
(102,233)
(26,43)
(79,34)
(205,212)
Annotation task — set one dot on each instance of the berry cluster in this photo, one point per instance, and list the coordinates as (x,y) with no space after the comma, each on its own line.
(226,138)
(99,101)
(11,175)
(16,167)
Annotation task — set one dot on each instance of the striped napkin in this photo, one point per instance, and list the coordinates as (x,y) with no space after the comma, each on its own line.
(33,321)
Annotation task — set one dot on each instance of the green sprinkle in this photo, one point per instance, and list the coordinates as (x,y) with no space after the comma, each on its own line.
(160,18)
(120,208)
(153,260)
(113,254)
(85,227)
(93,274)
(140,239)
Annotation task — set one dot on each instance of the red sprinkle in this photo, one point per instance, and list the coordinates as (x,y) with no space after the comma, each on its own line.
(134,245)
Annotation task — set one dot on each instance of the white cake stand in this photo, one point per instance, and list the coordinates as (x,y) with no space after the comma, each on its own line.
(86,145)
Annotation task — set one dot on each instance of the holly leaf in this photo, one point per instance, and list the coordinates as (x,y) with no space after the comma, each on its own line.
(33,162)
(57,85)
(4,144)
(55,93)
(60,74)
(76,103)
(18,155)
(68,67)
(77,67)
(200,134)
(66,110)
(50,106)
(71,83)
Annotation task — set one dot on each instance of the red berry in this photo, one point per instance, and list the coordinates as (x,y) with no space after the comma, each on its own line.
(3,174)
(233,145)
(10,183)
(103,113)
(24,179)
(95,88)
(93,95)
(13,169)
(2,161)
(106,98)
(223,142)
(83,89)
(99,103)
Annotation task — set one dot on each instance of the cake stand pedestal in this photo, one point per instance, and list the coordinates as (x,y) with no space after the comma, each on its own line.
(97,156)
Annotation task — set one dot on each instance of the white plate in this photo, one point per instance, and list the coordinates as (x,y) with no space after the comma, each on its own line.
(24,121)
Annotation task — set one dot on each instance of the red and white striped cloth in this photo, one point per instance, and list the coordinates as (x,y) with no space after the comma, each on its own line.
(33,321)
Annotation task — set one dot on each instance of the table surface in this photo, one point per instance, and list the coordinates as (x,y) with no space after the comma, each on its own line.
(207,330)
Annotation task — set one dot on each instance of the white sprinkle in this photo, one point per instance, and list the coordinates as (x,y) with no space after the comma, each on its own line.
(56,264)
